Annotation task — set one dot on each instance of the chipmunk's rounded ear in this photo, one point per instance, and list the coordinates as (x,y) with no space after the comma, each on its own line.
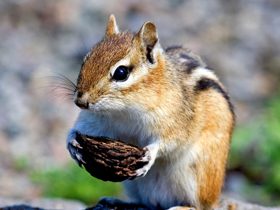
(112,27)
(148,38)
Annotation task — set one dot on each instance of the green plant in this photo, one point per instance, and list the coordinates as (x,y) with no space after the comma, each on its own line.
(21,163)
(255,151)
(74,183)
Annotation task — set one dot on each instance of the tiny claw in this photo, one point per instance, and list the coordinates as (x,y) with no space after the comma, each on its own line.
(132,174)
(80,159)
(76,144)
(84,162)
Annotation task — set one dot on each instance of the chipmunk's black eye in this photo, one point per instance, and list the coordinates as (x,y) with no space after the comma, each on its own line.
(121,73)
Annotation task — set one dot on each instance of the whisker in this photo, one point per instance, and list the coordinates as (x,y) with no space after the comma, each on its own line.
(84,43)
(61,87)
(62,101)
(63,97)
(62,83)
(66,82)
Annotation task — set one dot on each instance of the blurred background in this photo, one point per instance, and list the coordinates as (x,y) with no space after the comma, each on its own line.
(239,39)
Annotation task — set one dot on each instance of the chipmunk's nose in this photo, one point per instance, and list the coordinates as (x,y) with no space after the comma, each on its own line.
(81,102)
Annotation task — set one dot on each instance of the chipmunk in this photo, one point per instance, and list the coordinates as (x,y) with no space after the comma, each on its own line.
(164,100)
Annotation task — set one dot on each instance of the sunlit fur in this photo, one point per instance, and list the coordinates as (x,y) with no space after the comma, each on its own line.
(161,106)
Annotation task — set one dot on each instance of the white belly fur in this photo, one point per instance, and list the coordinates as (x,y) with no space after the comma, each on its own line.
(165,185)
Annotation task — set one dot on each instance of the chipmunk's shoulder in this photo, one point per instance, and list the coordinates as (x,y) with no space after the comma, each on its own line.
(188,60)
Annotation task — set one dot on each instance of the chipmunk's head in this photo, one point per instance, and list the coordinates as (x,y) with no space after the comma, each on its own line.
(121,71)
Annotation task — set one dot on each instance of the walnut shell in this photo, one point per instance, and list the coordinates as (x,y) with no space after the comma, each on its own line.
(108,159)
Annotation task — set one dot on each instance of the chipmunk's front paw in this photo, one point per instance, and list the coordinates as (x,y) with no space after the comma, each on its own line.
(73,146)
(144,170)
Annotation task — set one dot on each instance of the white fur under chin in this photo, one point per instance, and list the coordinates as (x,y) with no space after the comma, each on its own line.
(167,183)
(128,128)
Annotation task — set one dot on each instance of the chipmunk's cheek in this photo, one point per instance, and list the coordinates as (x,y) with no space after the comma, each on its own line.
(107,104)
(96,107)
(102,105)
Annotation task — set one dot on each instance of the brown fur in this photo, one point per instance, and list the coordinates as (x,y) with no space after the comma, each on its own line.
(212,166)
(183,113)
(102,57)
(112,28)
